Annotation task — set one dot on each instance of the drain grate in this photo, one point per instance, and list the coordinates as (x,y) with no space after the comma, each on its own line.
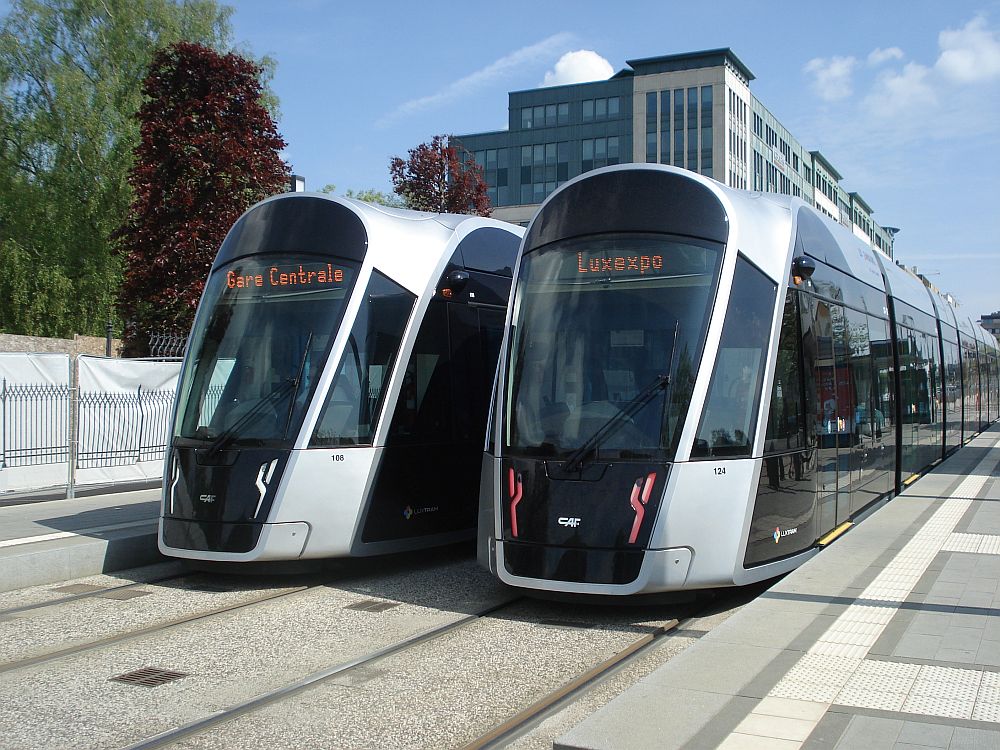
(123,595)
(77,588)
(372,605)
(149,677)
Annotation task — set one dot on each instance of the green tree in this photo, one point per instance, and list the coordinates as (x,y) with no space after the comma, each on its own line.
(70,85)
(371,195)
(209,150)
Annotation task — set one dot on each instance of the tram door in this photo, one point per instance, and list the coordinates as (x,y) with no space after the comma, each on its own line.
(832,450)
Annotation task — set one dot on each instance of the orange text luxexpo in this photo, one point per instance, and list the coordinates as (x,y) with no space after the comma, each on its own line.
(276,277)
(619,264)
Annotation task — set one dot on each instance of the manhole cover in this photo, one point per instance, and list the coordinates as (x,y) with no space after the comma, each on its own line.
(149,676)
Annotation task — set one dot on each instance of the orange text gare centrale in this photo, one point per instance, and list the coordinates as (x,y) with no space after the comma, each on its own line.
(277,277)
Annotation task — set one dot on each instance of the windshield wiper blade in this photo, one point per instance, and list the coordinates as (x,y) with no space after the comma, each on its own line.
(227,435)
(298,381)
(615,423)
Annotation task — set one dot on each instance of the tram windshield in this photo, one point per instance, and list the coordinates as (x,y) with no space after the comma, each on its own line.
(258,348)
(608,334)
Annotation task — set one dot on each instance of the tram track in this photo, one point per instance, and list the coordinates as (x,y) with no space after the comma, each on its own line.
(510,729)
(526,719)
(83,648)
(438,647)
(94,592)
(172,736)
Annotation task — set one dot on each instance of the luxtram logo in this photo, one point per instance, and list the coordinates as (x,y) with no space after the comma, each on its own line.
(778,533)
(409,511)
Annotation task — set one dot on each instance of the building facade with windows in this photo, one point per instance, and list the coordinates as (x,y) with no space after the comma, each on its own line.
(991,323)
(693,110)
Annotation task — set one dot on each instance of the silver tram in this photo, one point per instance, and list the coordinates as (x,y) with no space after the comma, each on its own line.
(334,395)
(700,386)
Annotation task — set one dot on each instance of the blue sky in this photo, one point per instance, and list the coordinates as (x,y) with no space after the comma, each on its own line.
(902,97)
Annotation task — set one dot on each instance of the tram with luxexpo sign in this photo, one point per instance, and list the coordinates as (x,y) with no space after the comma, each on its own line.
(701,386)
(334,394)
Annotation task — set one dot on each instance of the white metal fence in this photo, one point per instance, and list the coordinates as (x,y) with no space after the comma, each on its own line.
(104,421)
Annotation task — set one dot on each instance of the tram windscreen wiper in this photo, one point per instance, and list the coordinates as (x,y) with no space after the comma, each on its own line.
(609,428)
(227,435)
(298,382)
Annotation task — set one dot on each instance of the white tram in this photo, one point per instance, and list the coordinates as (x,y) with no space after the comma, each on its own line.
(334,395)
(699,386)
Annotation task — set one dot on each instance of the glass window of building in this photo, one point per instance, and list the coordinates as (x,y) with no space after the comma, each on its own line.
(600,109)
(550,114)
(614,150)
(692,122)
(525,117)
(562,161)
(562,118)
(665,127)
(678,127)
(651,126)
(614,106)
(706,131)
(588,110)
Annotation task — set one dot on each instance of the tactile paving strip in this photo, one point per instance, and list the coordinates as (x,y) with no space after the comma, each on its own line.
(980,544)
(835,669)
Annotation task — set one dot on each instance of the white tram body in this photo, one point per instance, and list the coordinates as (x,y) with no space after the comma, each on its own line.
(699,386)
(334,395)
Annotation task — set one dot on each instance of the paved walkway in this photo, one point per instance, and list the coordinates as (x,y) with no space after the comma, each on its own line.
(889,638)
(56,540)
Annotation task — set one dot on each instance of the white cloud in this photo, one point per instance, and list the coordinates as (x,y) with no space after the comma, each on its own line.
(970,54)
(580,66)
(831,76)
(879,56)
(896,93)
(495,71)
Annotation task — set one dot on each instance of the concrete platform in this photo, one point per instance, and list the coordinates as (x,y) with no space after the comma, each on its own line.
(56,540)
(889,638)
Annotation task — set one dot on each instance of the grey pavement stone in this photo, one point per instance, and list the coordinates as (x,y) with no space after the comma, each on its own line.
(868,732)
(974,739)
(828,732)
(926,735)
(681,714)
(916,645)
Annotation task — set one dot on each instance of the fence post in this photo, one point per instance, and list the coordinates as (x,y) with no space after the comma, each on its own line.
(72,428)
(142,420)
(3,424)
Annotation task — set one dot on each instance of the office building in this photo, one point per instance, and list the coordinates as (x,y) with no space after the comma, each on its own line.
(692,110)
(991,323)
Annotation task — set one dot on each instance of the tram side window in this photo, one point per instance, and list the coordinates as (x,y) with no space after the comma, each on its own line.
(423,412)
(355,398)
(785,422)
(729,421)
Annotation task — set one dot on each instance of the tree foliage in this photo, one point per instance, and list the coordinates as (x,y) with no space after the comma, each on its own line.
(371,195)
(441,178)
(70,84)
(208,151)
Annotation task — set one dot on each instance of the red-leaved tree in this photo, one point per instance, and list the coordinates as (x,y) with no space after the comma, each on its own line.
(209,151)
(441,178)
